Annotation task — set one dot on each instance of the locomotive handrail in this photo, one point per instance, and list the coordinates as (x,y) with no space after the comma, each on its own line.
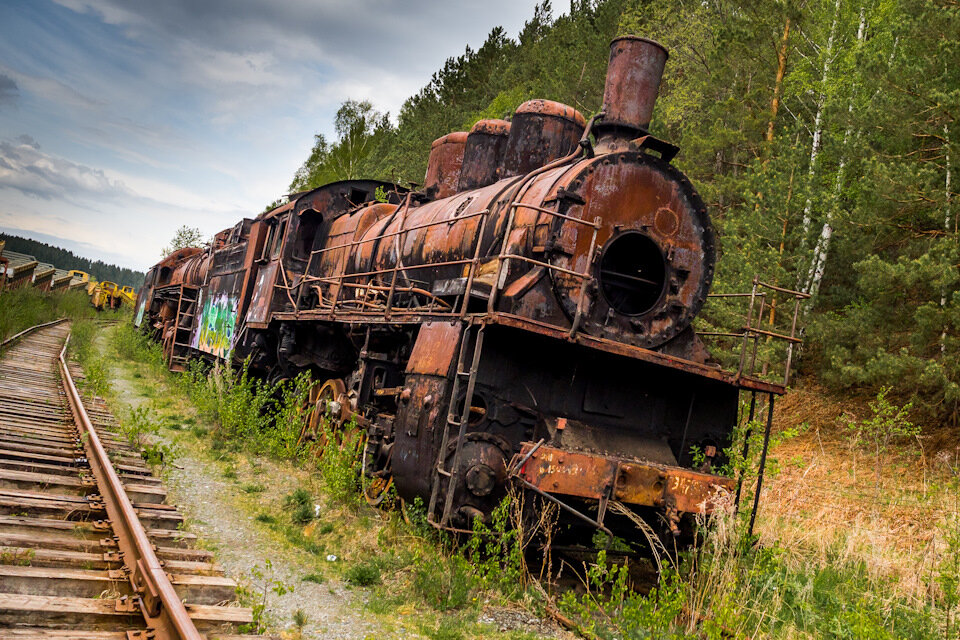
(340,279)
(595,224)
(749,332)
(332,279)
(353,243)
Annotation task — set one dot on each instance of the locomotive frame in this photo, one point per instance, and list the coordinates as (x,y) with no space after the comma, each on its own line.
(525,319)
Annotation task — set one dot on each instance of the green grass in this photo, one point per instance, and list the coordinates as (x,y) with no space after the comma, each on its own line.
(26,307)
(363,574)
(314,577)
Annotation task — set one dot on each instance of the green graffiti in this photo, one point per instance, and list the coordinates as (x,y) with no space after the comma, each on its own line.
(140,311)
(217,323)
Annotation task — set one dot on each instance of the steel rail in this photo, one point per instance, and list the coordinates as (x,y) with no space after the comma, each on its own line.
(162,609)
(14,337)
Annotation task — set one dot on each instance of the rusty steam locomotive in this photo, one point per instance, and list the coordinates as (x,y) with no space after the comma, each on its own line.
(523,319)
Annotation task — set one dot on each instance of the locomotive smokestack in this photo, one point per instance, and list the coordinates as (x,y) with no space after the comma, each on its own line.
(633,79)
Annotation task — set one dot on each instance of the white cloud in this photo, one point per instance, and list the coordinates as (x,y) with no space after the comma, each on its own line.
(25,168)
(51,90)
(155,114)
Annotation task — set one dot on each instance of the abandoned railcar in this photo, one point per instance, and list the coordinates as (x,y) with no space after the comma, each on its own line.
(525,319)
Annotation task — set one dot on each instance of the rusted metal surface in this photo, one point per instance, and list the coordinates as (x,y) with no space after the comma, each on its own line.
(435,348)
(161,607)
(443,166)
(633,80)
(73,495)
(483,154)
(594,476)
(541,131)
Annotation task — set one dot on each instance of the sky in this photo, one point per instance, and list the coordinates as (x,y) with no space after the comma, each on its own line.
(121,120)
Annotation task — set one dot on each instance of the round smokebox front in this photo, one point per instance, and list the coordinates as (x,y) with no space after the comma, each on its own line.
(653,260)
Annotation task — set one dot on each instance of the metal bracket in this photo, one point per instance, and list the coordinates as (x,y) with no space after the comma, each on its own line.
(142,583)
(125,604)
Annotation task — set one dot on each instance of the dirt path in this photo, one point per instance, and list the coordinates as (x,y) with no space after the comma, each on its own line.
(221,515)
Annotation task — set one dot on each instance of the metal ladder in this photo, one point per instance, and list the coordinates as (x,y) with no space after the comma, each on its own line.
(186,310)
(470,347)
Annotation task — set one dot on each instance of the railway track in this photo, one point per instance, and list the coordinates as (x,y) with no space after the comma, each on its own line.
(88,546)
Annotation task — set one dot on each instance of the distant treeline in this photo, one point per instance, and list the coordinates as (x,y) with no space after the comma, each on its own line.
(63,259)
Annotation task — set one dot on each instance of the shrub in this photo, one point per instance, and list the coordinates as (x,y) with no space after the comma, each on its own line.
(139,424)
(363,574)
(302,514)
(297,498)
(443,583)
(339,465)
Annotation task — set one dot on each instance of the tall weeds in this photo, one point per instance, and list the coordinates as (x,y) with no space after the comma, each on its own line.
(26,307)
(726,587)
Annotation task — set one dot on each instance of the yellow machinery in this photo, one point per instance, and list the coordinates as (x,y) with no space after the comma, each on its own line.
(128,295)
(105,295)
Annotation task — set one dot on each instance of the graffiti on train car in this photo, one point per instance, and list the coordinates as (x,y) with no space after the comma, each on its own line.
(140,310)
(215,330)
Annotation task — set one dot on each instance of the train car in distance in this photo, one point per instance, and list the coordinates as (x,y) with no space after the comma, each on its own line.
(524,320)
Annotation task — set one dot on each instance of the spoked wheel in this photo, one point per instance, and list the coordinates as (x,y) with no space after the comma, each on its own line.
(324,402)
(375,487)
